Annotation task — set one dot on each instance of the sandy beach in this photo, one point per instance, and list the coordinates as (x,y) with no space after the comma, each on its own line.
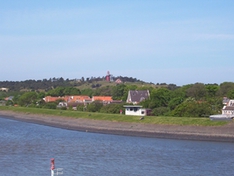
(219,133)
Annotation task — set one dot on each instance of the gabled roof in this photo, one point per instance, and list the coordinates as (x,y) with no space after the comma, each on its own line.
(118,81)
(230,103)
(9,98)
(136,96)
(228,108)
(225,100)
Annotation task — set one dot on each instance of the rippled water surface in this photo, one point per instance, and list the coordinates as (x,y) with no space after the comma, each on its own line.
(26,149)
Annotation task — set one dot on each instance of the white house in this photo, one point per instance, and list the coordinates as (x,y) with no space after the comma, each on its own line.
(228,109)
(136,110)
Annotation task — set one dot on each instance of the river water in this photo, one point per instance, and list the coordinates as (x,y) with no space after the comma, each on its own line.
(26,150)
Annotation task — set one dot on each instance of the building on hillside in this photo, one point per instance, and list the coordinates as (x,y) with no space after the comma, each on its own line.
(103,99)
(118,81)
(225,100)
(4,89)
(10,98)
(79,98)
(136,96)
(74,100)
(109,77)
(48,99)
(136,110)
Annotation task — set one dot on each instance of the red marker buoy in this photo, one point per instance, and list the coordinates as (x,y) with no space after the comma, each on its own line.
(52,166)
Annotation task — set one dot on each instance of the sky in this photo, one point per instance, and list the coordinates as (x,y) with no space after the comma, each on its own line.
(160,41)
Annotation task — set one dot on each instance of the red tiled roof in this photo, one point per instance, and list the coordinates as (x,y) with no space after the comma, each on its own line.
(102,98)
(52,99)
(78,98)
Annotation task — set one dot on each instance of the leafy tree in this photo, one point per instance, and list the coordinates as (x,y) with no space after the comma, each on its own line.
(172,87)
(231,94)
(216,104)
(198,91)
(192,109)
(27,99)
(147,104)
(9,103)
(50,105)
(41,95)
(225,88)
(94,106)
(175,102)
(62,91)
(80,107)
(212,89)
(88,92)
(103,91)
(71,91)
(118,91)
(112,108)
(131,87)
(160,97)
(160,111)
(58,91)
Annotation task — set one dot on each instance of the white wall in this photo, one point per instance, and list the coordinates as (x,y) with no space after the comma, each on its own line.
(135,111)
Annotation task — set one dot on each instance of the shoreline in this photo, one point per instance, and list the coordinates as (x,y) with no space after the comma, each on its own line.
(199,133)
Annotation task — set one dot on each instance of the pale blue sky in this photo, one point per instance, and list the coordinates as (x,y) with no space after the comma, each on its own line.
(159,41)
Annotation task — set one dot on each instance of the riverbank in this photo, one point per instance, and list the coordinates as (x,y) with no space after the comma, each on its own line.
(223,133)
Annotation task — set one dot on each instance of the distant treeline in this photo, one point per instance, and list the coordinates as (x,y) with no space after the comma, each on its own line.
(48,84)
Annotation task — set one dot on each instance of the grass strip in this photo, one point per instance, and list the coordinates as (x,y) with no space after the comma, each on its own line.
(160,120)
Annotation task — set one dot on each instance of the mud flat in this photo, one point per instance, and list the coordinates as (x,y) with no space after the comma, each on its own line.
(223,133)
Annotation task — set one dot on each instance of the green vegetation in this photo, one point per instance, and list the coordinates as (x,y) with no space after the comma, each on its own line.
(192,100)
(117,117)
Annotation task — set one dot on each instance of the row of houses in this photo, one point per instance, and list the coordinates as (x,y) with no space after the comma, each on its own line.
(79,99)
(134,98)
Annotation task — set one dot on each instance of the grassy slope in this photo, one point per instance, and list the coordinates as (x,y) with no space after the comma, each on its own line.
(104,83)
(118,117)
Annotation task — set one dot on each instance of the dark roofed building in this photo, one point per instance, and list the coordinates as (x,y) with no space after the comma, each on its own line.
(136,96)
(228,108)
(225,100)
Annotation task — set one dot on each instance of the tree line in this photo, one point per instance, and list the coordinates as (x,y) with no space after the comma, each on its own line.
(48,84)
(192,100)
